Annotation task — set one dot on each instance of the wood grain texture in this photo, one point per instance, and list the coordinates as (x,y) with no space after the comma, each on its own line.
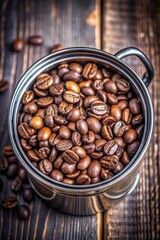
(136,23)
(58,22)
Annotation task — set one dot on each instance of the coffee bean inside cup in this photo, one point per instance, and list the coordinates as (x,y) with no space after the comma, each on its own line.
(80,123)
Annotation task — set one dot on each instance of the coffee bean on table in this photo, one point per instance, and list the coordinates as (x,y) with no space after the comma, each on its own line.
(22,174)
(3,86)
(23,212)
(8,151)
(3,164)
(83,179)
(9,202)
(94,169)
(27,194)
(36,40)
(12,170)
(64,145)
(56,47)
(18,45)
(16,185)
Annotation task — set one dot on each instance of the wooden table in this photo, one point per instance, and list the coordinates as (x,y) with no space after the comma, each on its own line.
(109,25)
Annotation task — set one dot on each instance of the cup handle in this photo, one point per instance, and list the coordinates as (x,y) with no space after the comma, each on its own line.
(148,76)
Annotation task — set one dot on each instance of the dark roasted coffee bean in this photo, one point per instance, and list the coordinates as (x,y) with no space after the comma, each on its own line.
(110,87)
(70,157)
(91,114)
(28,194)
(134,106)
(126,116)
(102,95)
(33,141)
(99,144)
(116,112)
(112,98)
(93,124)
(83,179)
(72,76)
(26,118)
(130,136)
(43,152)
(56,78)
(25,131)
(49,121)
(53,155)
(38,92)
(95,180)
(132,148)
(110,147)
(9,202)
(44,101)
(22,174)
(88,100)
(64,107)
(60,120)
(123,85)
(72,86)
(82,126)
(52,110)
(8,150)
(56,90)
(122,104)
(44,82)
(23,212)
(76,67)
(127,127)
(30,108)
(57,175)
(63,70)
(120,142)
(3,164)
(64,132)
(98,75)
(115,77)
(52,139)
(16,185)
(88,91)
(86,83)
(12,170)
(89,71)
(71,97)
(109,162)
(12,159)
(45,166)
(44,134)
(84,163)
(18,45)
(32,154)
(76,138)
(139,130)
(119,128)
(68,168)
(107,133)
(109,121)
(35,164)
(25,145)
(79,151)
(137,120)
(36,40)
(99,108)
(28,97)
(56,47)
(3,86)
(118,168)
(58,162)
(68,181)
(40,113)
(106,174)
(94,169)
(98,85)
(89,148)
(64,145)
(74,115)
(106,73)
(73,175)
(125,159)
(89,137)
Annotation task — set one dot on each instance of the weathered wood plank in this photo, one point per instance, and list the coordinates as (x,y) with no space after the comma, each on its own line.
(62,22)
(135,23)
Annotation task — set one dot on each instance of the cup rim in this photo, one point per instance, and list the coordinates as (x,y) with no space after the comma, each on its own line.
(125,70)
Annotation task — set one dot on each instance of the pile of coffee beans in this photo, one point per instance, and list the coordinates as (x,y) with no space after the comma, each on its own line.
(80,124)
(19,183)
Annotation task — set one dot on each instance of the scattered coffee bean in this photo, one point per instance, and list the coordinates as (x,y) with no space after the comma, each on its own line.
(56,47)
(36,40)
(16,185)
(8,151)
(12,170)
(22,174)
(9,202)
(18,45)
(23,212)
(3,86)
(27,194)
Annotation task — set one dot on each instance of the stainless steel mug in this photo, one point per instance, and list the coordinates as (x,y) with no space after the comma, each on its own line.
(75,199)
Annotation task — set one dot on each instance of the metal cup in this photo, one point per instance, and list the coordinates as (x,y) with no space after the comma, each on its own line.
(75,199)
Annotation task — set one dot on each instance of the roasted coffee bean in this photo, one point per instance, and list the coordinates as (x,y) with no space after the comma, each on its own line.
(119,151)
(120,142)
(63,70)
(8,151)
(64,145)
(57,175)
(36,123)
(43,152)
(44,134)
(132,148)
(82,126)
(76,138)
(18,45)
(3,86)
(22,174)
(68,181)
(3,164)
(84,163)
(89,148)
(99,144)
(94,169)
(112,98)
(98,75)
(109,121)
(60,120)
(72,86)
(40,113)
(79,151)
(123,85)
(96,179)
(119,128)
(9,202)
(12,159)
(126,116)
(127,127)
(71,97)
(134,106)
(88,91)
(70,157)
(25,131)
(49,121)
(45,166)
(86,83)
(88,100)
(93,124)
(38,92)
(52,139)
(56,78)
(68,168)
(125,159)
(98,85)
(76,67)
(64,108)
(23,212)
(36,40)
(58,162)
(130,136)
(56,47)
(83,179)
(89,71)
(109,162)
(16,185)
(52,110)
(74,115)
(116,112)
(30,108)
(99,108)
(72,76)
(106,73)
(64,132)
(137,120)
(12,170)
(56,90)
(139,130)
(25,145)
(53,155)
(33,141)
(102,95)
(28,97)
(118,168)
(110,147)
(73,175)
(44,82)
(122,104)
(28,194)
(107,133)
(44,101)
(106,174)
(89,137)
(110,87)
(32,154)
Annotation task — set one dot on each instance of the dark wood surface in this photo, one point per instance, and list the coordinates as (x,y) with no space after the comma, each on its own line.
(110,25)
